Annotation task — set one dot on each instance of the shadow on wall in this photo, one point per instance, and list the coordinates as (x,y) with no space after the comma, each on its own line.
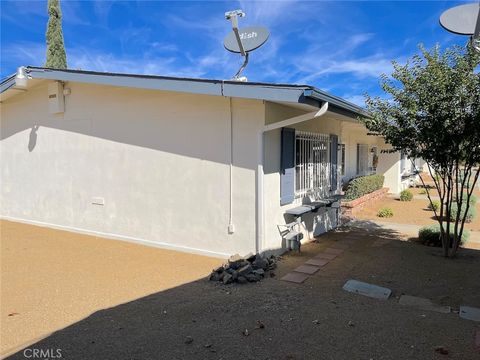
(32,140)
(202,320)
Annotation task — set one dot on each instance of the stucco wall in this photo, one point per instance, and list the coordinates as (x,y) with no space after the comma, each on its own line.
(160,161)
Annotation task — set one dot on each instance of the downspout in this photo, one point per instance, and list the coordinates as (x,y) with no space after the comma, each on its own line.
(260,221)
(260,226)
(231,226)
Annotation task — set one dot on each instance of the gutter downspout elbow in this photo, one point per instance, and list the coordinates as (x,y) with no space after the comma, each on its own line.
(21,79)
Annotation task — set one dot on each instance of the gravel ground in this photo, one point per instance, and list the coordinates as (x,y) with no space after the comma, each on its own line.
(51,279)
(413,212)
(314,320)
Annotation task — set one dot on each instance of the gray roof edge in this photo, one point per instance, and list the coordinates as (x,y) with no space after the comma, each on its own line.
(336,102)
(251,90)
(7,83)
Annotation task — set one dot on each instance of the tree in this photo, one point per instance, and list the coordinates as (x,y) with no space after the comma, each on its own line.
(56,56)
(433,112)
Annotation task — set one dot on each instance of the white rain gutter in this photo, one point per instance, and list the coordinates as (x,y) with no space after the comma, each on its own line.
(260,221)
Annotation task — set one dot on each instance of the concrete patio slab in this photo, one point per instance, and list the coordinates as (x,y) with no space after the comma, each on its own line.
(366,289)
(307,269)
(317,262)
(470,313)
(334,251)
(295,277)
(424,304)
(326,256)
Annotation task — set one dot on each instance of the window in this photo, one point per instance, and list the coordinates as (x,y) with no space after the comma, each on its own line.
(362,159)
(342,159)
(312,164)
(403,162)
(372,159)
(367,159)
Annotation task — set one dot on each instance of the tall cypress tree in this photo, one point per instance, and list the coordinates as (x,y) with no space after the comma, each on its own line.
(56,56)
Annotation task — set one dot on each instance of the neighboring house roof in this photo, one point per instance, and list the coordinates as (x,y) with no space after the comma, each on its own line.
(303,94)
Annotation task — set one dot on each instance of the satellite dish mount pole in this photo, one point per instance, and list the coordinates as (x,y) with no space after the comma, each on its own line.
(233,17)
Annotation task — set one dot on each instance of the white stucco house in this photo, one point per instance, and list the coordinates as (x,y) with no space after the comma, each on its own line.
(206,166)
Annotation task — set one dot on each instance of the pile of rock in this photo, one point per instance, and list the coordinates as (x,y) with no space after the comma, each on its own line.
(250,268)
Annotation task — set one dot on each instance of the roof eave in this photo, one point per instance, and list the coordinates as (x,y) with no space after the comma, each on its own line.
(337,104)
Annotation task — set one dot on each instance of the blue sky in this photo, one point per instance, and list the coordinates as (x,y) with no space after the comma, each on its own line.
(340,46)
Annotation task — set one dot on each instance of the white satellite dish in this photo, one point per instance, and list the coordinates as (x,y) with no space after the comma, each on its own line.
(243,41)
(461,19)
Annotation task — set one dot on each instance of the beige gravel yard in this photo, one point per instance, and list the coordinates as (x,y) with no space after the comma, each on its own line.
(205,320)
(51,279)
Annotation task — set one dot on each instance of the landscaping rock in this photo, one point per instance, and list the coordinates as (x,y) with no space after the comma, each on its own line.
(260,263)
(253,277)
(214,276)
(235,258)
(249,268)
(245,270)
(242,280)
(227,279)
(260,272)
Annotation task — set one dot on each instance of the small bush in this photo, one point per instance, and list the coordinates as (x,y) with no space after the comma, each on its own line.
(430,235)
(422,192)
(471,214)
(406,195)
(434,205)
(385,212)
(473,199)
(363,185)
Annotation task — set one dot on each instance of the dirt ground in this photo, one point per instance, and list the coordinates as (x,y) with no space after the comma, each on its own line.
(204,320)
(409,212)
(51,279)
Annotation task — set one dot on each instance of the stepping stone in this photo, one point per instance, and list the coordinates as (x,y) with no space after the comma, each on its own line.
(424,304)
(340,246)
(366,289)
(307,269)
(317,262)
(334,251)
(325,256)
(470,313)
(295,277)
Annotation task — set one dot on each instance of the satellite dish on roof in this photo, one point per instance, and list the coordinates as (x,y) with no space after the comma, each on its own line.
(461,19)
(243,41)
(252,38)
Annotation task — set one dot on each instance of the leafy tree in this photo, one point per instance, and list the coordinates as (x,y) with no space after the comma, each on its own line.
(433,112)
(56,56)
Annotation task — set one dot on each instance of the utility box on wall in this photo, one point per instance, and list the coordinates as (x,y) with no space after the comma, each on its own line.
(56,99)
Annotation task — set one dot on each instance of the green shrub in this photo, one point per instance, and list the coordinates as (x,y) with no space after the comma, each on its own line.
(363,185)
(434,205)
(471,214)
(473,199)
(430,235)
(385,212)
(422,192)
(406,195)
